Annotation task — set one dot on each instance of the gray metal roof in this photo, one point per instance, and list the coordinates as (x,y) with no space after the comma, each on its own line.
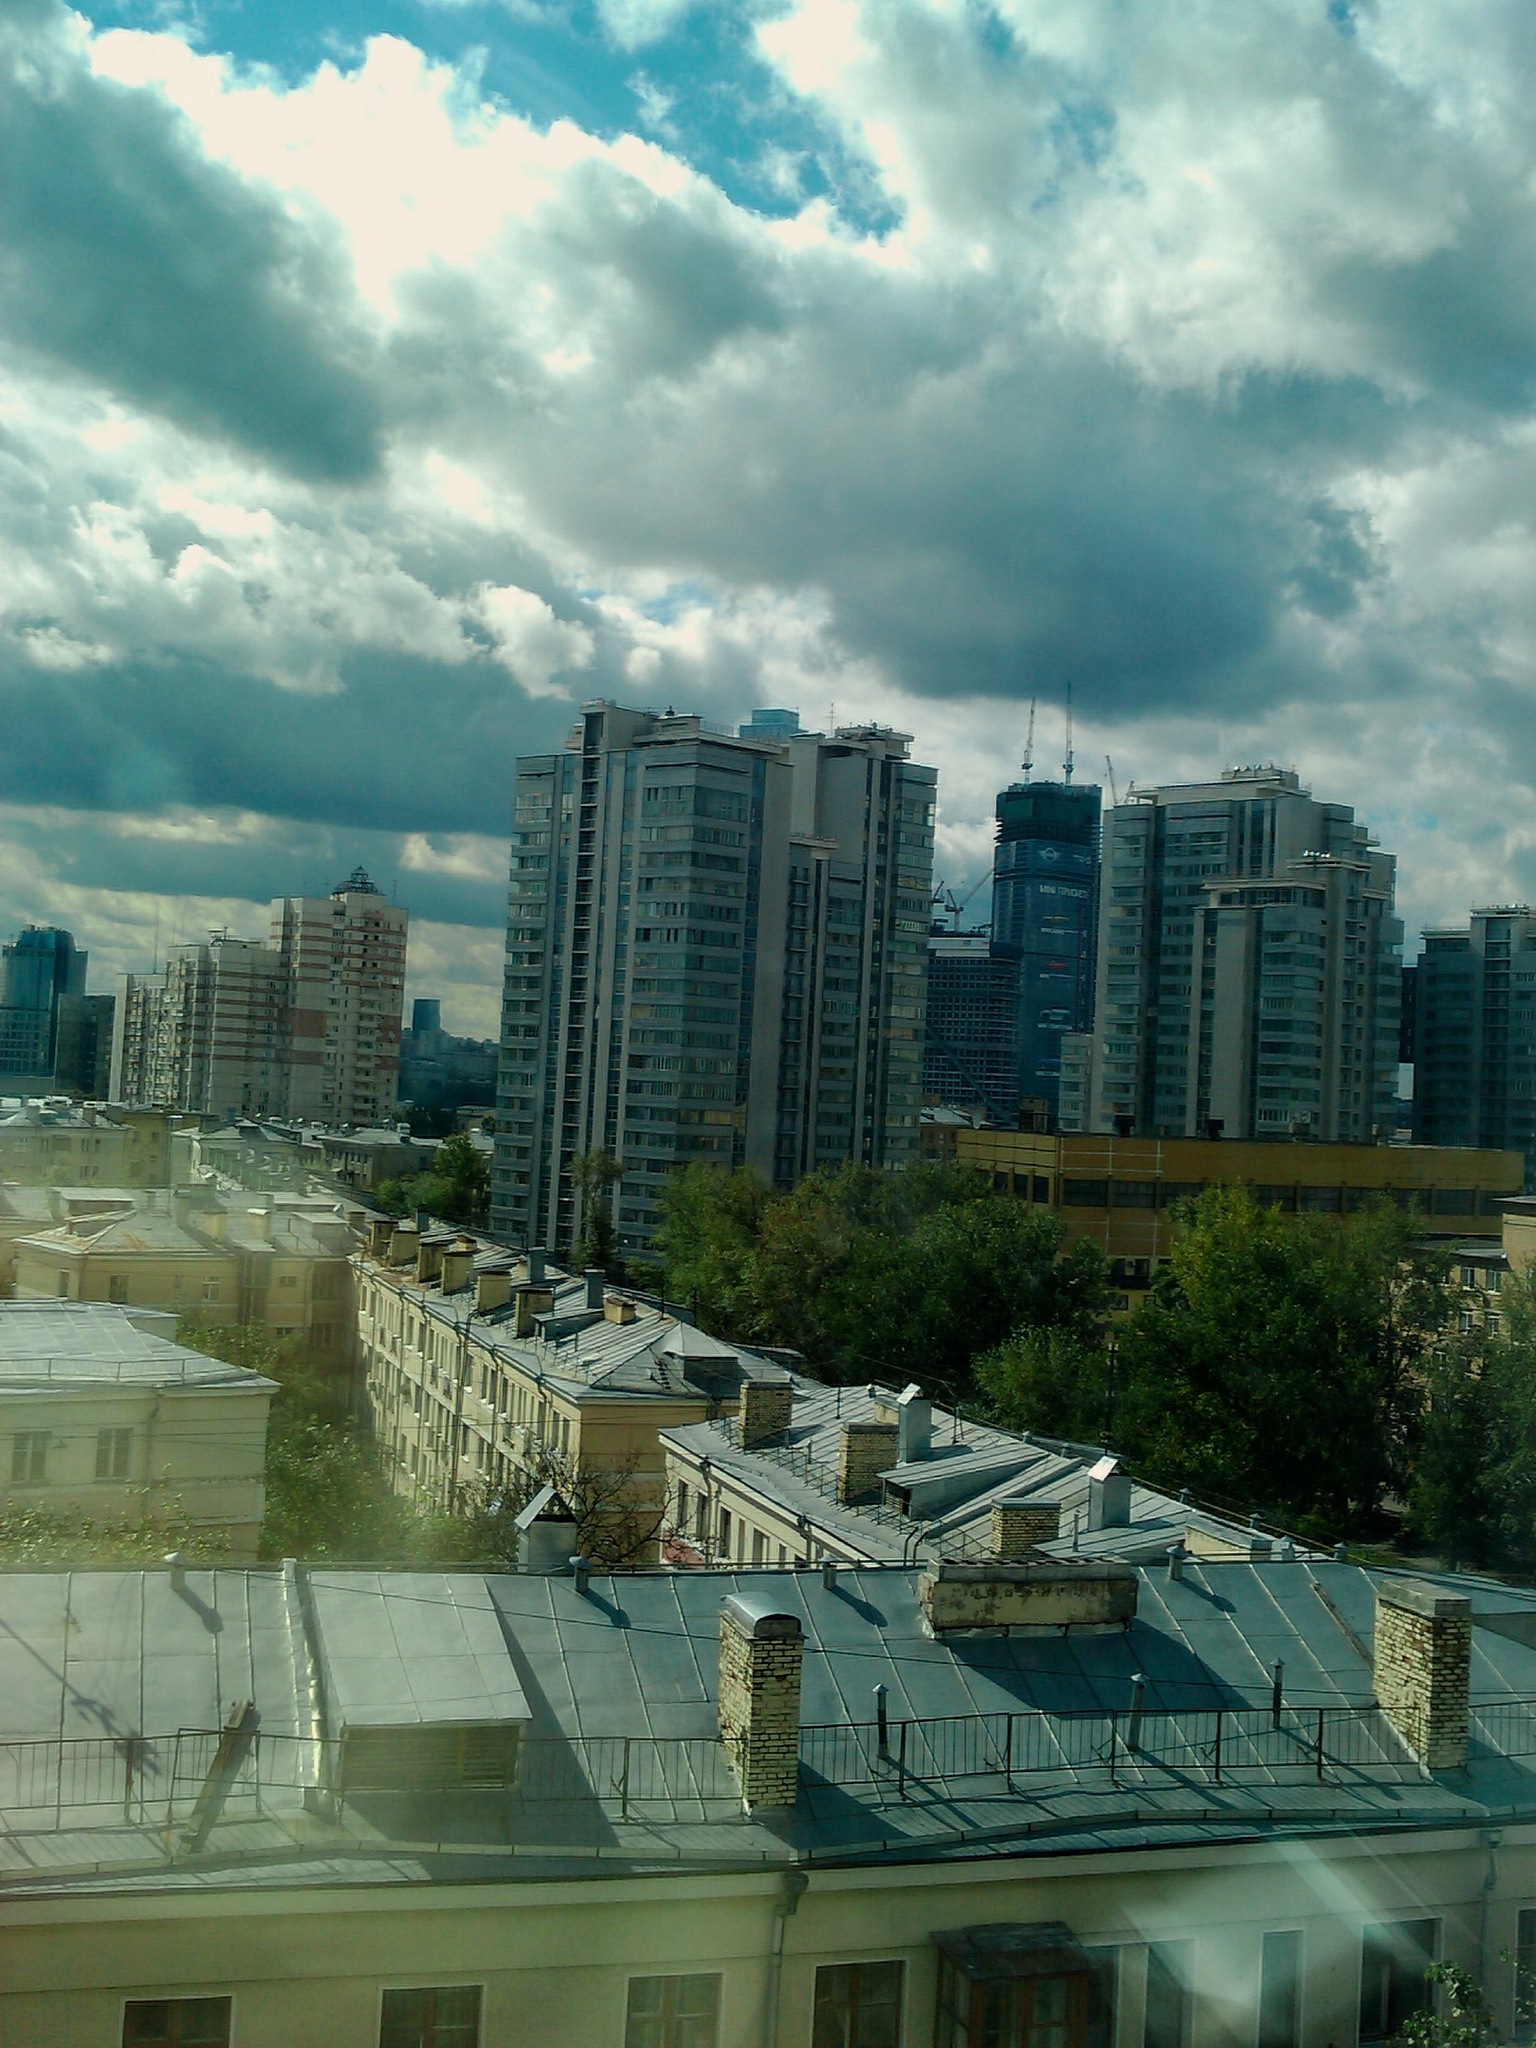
(1015,1744)
(58,1344)
(412,1648)
(986,1465)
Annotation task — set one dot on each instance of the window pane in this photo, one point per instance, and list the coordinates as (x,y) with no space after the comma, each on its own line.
(176,2023)
(673,2012)
(403,2020)
(1393,1960)
(1168,1994)
(858,2005)
(1280,1990)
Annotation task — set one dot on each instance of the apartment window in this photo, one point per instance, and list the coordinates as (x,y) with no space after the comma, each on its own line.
(210,1290)
(117,1287)
(673,2012)
(1280,1990)
(759,1547)
(1394,1958)
(997,1990)
(112,1449)
(438,2016)
(29,1457)
(1170,2005)
(858,2005)
(176,2022)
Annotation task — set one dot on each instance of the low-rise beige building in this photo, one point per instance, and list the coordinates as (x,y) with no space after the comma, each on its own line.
(56,1142)
(480,1368)
(103,1415)
(282,1260)
(1034,1806)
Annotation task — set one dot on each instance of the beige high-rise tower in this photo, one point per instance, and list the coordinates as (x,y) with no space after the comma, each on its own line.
(305,1026)
(345,960)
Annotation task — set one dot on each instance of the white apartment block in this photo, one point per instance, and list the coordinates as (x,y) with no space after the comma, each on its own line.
(1249,970)
(306,1025)
(103,1415)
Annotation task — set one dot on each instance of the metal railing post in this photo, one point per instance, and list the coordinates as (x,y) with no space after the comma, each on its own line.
(1320,1713)
(1008,1755)
(1277,1696)
(901,1762)
(624,1783)
(1218,1744)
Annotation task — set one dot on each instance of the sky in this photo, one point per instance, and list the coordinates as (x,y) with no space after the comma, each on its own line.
(379,379)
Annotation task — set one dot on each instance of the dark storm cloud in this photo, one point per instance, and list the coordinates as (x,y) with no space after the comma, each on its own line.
(127,257)
(408,746)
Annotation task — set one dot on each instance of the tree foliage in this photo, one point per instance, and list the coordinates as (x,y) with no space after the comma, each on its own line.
(1474,1487)
(457,1187)
(592,1176)
(900,1276)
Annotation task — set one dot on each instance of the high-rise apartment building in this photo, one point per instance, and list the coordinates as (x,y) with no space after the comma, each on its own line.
(39,967)
(1474,1050)
(714,951)
(1249,967)
(306,1026)
(82,1050)
(345,959)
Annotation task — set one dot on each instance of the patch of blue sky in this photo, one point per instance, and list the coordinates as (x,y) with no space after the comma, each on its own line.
(699,88)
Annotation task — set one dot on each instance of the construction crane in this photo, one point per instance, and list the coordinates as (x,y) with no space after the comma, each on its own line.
(1066,766)
(1029,743)
(948,904)
(1109,770)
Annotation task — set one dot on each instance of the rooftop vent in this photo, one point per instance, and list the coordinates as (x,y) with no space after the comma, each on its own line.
(546,1533)
(1109,1495)
(914,1425)
(1040,1594)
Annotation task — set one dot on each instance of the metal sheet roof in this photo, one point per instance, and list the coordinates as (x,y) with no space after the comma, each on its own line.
(412,1649)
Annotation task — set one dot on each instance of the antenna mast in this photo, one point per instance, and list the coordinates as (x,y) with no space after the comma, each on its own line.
(1029,743)
(1066,766)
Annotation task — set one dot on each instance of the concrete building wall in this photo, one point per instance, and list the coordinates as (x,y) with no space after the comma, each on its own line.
(555,1959)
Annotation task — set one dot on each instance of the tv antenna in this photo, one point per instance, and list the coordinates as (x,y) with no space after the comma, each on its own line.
(1029,742)
(1066,766)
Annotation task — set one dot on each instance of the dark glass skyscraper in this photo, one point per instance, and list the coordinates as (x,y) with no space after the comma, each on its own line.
(41,965)
(1045,902)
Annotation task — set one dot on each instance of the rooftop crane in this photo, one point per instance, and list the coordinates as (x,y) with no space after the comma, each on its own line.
(1066,766)
(1029,743)
(1109,770)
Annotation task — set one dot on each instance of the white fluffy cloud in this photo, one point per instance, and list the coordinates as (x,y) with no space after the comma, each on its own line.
(356,428)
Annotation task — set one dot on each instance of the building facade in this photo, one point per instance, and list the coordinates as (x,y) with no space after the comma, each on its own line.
(762,1809)
(1474,1049)
(104,1415)
(973,1044)
(306,1025)
(1249,967)
(1045,905)
(37,969)
(714,952)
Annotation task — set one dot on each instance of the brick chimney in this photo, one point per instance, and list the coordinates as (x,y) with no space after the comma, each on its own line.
(765,1410)
(760,1657)
(1018,1525)
(1423,1668)
(865,1450)
(458,1264)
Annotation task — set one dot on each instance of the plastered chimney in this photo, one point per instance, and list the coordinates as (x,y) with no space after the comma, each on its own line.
(380,1231)
(493,1289)
(458,1265)
(1423,1668)
(532,1301)
(429,1260)
(761,1651)
(403,1245)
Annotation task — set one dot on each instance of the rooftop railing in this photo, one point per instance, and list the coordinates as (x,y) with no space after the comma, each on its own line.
(157,1781)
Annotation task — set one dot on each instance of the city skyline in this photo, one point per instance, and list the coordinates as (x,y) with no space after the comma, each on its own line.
(719,356)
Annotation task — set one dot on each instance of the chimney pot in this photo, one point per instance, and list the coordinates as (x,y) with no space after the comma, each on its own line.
(581,1571)
(176,1565)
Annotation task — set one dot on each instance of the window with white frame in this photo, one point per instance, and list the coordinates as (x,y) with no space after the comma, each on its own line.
(673,2012)
(29,1457)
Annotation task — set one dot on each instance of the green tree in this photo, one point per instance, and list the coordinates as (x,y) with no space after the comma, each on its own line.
(1053,1380)
(904,1276)
(1473,1497)
(1461,2017)
(457,1188)
(592,1176)
(1277,1361)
